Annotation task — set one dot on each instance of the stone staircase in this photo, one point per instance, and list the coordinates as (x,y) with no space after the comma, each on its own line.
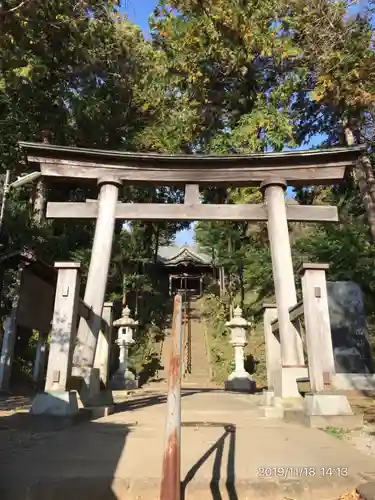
(161,378)
(199,375)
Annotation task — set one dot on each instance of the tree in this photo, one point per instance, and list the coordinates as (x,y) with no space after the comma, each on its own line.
(74,74)
(264,76)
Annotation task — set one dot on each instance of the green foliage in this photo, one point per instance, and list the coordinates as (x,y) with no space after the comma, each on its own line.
(266,75)
(215,315)
(336,432)
(345,246)
(214,311)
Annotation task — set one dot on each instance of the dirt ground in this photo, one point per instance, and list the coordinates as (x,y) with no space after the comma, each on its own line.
(18,432)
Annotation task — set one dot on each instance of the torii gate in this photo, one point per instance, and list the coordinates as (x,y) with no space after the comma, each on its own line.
(271,171)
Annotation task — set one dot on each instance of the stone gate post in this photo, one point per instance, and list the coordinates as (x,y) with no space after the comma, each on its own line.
(57,400)
(317,325)
(103,349)
(272,345)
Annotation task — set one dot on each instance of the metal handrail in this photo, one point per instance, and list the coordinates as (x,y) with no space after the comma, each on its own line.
(170,488)
(188,344)
(184,338)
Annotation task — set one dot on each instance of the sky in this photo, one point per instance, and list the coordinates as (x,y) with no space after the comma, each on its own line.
(139,11)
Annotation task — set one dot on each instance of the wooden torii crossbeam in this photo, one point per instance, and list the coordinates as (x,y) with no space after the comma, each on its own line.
(297,168)
(189,212)
(271,171)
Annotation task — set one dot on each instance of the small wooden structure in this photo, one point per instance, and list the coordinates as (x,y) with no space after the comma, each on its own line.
(32,309)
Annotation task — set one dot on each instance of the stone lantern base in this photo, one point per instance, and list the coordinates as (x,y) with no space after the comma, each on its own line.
(124,381)
(240,382)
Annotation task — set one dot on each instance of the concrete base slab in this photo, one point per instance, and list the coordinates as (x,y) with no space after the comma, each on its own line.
(241,383)
(271,407)
(367,490)
(286,385)
(354,381)
(90,389)
(124,381)
(101,411)
(103,398)
(279,405)
(54,403)
(327,405)
(272,412)
(323,421)
(267,398)
(289,403)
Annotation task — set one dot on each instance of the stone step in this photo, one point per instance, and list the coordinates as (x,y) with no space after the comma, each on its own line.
(200,373)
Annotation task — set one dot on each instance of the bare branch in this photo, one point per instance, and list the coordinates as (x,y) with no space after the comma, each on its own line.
(13,9)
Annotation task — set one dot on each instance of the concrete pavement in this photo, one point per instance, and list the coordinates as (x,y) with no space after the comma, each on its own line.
(120,456)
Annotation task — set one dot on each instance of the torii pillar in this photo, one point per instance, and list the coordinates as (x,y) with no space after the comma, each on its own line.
(88,330)
(293,365)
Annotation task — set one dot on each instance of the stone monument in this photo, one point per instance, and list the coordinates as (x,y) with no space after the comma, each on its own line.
(350,337)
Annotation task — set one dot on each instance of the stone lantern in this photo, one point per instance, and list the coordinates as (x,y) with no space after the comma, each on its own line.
(124,378)
(239,379)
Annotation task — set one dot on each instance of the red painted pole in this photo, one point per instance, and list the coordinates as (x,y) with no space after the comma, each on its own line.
(171,481)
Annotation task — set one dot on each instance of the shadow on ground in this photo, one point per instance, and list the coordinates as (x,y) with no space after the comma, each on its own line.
(73,464)
(51,458)
(218,449)
(137,403)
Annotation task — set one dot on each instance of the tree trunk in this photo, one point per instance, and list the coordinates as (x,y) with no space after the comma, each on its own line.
(242,285)
(364,178)
(230,288)
(157,239)
(222,279)
(40,201)
(39,194)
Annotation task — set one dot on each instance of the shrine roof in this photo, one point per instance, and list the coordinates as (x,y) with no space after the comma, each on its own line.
(173,255)
(303,167)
